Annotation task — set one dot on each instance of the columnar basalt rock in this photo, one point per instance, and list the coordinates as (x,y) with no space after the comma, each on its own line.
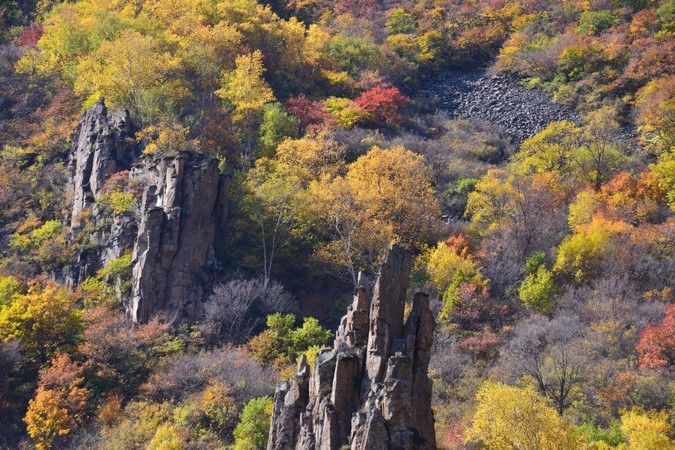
(181,210)
(371,390)
(103,144)
(171,233)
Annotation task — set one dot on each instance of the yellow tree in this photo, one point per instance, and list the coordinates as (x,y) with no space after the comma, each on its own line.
(646,430)
(245,89)
(45,321)
(509,417)
(548,150)
(133,71)
(59,404)
(312,156)
(385,196)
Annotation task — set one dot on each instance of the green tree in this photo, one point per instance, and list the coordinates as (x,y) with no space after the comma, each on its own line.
(281,341)
(399,21)
(537,291)
(254,421)
(277,125)
(270,198)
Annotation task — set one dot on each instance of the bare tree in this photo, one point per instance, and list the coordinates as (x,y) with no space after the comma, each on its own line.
(238,308)
(554,353)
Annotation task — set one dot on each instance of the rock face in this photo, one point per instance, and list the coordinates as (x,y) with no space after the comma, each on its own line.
(103,144)
(171,233)
(180,213)
(371,391)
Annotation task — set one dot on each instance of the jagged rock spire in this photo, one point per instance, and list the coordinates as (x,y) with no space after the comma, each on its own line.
(371,391)
(181,211)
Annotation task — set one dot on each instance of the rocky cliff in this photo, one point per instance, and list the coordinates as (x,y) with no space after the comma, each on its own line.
(102,144)
(181,210)
(371,390)
(171,232)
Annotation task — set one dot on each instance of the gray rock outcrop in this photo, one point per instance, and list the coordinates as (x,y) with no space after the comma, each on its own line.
(102,144)
(171,232)
(181,210)
(371,390)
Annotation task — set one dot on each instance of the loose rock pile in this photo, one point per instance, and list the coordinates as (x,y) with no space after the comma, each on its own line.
(500,99)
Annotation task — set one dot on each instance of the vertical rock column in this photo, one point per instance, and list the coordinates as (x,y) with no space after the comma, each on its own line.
(180,213)
(102,144)
(371,391)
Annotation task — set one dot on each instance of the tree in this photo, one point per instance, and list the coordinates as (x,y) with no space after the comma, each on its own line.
(382,103)
(600,155)
(386,196)
(269,201)
(235,309)
(400,21)
(312,156)
(60,402)
(509,417)
(282,342)
(45,321)
(306,111)
(548,150)
(646,430)
(537,290)
(247,92)
(445,260)
(393,186)
(581,255)
(277,125)
(132,71)
(253,427)
(551,353)
(656,347)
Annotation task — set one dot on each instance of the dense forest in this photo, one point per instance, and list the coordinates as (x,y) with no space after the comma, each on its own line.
(192,192)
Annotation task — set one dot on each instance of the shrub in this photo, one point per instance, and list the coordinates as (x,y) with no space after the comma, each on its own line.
(596,21)
(253,427)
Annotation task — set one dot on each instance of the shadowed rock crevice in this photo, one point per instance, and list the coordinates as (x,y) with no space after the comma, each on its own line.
(371,390)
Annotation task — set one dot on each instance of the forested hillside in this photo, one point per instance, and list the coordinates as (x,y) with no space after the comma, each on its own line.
(193,193)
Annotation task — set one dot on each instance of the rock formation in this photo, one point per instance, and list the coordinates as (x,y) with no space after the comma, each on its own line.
(171,233)
(102,144)
(180,214)
(371,391)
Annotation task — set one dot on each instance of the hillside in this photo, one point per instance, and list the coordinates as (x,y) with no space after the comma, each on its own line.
(280,224)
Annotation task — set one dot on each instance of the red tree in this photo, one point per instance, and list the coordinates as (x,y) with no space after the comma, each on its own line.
(382,102)
(308,112)
(656,347)
(29,36)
